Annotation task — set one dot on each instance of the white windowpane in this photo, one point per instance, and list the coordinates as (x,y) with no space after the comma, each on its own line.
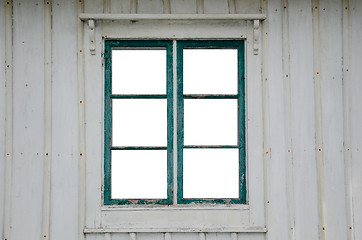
(139,174)
(210,122)
(210,173)
(139,71)
(210,71)
(139,122)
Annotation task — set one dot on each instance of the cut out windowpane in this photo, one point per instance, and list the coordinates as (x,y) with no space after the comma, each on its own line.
(139,174)
(210,173)
(210,122)
(139,71)
(139,122)
(210,71)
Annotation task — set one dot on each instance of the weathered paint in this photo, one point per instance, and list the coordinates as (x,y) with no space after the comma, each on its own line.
(232,44)
(64,121)
(108,146)
(8,112)
(3,102)
(80,152)
(291,169)
(48,118)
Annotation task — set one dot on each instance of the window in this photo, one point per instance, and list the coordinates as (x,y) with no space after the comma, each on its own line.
(140,165)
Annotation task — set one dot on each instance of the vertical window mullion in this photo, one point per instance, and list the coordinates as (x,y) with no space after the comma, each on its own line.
(241,124)
(107,124)
(180,121)
(170,127)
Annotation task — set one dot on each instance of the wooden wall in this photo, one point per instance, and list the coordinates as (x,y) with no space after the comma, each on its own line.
(311,83)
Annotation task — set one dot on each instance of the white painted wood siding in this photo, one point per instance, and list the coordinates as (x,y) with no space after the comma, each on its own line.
(311,85)
(2,117)
(65,101)
(28,120)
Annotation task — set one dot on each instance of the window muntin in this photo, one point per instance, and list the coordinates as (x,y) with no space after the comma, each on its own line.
(227,92)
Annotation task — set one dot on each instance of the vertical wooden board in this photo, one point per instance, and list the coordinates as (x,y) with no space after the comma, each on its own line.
(94,112)
(254,116)
(355,71)
(216,6)
(96,236)
(150,6)
(116,6)
(223,236)
(210,236)
(120,236)
(332,118)
(28,50)
(183,6)
(277,195)
(150,236)
(303,120)
(93,119)
(247,6)
(93,6)
(120,6)
(91,237)
(2,113)
(183,236)
(64,171)
(218,236)
(251,236)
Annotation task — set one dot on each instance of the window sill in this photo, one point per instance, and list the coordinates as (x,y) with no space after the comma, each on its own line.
(255,229)
(174,207)
(171,218)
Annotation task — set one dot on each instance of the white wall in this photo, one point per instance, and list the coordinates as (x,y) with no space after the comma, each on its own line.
(311,67)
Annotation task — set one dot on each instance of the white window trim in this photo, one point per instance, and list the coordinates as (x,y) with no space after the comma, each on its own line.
(192,218)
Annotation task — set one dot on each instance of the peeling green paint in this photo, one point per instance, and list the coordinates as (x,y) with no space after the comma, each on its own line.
(211,44)
(108,147)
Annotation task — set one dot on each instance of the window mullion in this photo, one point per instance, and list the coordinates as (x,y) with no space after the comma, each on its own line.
(175,120)
(170,123)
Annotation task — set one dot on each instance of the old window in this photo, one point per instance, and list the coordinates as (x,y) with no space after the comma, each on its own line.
(145,127)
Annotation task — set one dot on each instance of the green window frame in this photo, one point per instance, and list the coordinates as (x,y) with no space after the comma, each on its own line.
(240,96)
(108,147)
